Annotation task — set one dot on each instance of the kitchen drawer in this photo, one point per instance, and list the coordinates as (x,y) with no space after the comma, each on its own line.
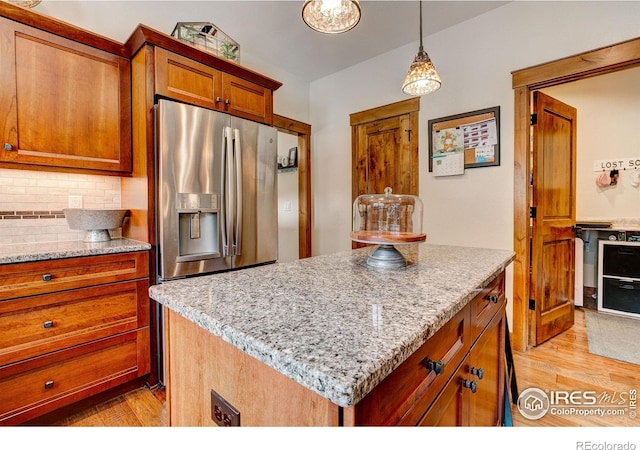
(32,278)
(41,324)
(621,295)
(403,397)
(36,386)
(621,259)
(486,304)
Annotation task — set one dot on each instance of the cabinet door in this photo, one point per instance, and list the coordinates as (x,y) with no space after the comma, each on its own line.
(63,104)
(451,408)
(186,80)
(486,367)
(245,99)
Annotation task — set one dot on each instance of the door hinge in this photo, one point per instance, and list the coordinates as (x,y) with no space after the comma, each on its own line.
(534,119)
(532,212)
(532,304)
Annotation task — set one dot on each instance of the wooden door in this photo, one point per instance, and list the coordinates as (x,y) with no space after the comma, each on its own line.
(384,144)
(385,157)
(553,207)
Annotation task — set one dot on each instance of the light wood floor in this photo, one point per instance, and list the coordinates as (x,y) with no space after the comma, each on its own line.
(564,362)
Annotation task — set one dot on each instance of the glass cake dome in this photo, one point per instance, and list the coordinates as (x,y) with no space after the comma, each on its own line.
(387,220)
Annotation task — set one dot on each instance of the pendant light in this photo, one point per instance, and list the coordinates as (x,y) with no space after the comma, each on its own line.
(422,77)
(331,16)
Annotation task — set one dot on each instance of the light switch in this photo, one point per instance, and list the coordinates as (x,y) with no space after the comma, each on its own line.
(287,206)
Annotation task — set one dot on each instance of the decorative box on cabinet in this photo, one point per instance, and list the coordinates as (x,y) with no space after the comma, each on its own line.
(64,105)
(71,328)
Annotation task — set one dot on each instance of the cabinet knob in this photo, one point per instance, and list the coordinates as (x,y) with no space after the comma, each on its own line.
(436,366)
(479,372)
(473,385)
(227,102)
(48,324)
(48,384)
(218,99)
(7,146)
(46,277)
(492,298)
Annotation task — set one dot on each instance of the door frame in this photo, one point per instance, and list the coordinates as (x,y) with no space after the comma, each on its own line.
(303,131)
(604,60)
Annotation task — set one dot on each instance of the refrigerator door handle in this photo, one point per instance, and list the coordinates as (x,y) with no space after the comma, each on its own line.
(228,197)
(238,215)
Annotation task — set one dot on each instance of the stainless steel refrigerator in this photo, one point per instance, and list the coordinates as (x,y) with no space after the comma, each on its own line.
(216,192)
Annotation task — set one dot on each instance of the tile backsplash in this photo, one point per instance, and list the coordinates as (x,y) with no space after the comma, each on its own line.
(31,203)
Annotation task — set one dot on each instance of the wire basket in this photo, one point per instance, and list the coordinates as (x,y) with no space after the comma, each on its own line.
(208,37)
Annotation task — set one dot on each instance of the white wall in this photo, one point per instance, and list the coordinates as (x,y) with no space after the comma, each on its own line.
(608,119)
(475,60)
(288,210)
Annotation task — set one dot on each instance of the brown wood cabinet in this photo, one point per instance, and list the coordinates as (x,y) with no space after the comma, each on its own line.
(474,395)
(455,378)
(186,80)
(71,328)
(64,105)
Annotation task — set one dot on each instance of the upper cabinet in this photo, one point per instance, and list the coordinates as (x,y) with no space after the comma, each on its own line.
(63,104)
(187,80)
(187,74)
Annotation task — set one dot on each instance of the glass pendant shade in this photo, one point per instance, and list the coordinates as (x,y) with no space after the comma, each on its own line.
(422,77)
(331,16)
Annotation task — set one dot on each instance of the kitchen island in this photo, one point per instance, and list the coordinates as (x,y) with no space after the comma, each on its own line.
(310,341)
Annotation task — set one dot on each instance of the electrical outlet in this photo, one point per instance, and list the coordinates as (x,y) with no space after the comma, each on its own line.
(75,201)
(222,412)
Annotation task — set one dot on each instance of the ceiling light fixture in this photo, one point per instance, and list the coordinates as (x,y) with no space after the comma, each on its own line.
(422,77)
(26,3)
(331,16)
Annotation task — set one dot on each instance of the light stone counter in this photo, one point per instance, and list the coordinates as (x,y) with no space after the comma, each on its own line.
(332,323)
(41,251)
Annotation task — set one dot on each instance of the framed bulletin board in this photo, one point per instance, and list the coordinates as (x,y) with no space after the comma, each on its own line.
(479,130)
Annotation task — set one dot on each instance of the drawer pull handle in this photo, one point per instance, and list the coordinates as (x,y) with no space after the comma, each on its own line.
(48,324)
(493,298)
(479,372)
(48,384)
(46,277)
(470,385)
(436,366)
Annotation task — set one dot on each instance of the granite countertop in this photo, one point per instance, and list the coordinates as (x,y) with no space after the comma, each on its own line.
(41,251)
(332,323)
